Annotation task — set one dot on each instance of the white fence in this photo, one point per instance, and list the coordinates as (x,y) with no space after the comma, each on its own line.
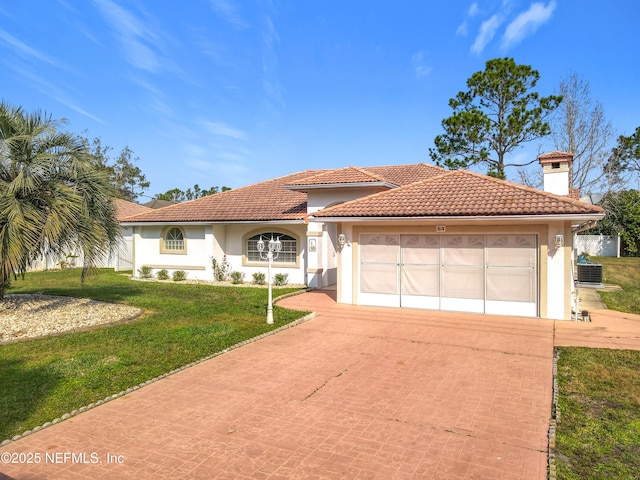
(597,245)
(119,260)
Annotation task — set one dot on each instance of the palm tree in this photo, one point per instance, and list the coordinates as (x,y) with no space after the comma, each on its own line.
(52,198)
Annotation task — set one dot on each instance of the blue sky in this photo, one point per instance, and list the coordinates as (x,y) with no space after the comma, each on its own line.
(230,92)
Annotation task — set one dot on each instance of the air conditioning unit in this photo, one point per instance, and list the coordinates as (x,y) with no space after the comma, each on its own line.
(590,274)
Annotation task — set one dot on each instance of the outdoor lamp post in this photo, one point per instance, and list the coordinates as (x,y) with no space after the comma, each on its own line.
(274,249)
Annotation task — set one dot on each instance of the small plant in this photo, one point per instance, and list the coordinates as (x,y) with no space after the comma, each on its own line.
(237,277)
(179,276)
(221,269)
(145,271)
(162,275)
(280,279)
(259,278)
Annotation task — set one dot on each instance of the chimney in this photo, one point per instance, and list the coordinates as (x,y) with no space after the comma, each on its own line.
(556,168)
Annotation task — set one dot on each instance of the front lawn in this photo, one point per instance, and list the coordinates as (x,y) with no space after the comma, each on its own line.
(42,379)
(598,429)
(598,432)
(626,273)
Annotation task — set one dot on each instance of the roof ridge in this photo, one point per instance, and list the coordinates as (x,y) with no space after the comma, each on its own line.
(374,175)
(351,169)
(525,187)
(400,188)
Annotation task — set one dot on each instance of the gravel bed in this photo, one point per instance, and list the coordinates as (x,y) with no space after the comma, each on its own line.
(33,315)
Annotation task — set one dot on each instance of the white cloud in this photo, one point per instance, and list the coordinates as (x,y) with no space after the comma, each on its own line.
(223,130)
(472,11)
(25,50)
(270,81)
(229,12)
(420,66)
(527,23)
(486,34)
(40,83)
(135,37)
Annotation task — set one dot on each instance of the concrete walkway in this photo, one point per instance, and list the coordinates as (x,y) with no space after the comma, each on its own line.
(356,393)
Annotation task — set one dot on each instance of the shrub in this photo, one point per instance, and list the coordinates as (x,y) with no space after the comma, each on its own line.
(221,269)
(162,275)
(237,277)
(280,279)
(179,275)
(259,278)
(145,271)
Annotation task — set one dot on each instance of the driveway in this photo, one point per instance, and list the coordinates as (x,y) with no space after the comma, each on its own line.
(355,393)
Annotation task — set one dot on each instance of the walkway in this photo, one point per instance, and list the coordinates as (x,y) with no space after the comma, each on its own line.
(355,393)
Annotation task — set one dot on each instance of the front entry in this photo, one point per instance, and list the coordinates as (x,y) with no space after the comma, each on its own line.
(494,274)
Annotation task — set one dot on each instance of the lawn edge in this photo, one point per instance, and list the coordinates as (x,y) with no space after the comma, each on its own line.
(553,422)
(122,393)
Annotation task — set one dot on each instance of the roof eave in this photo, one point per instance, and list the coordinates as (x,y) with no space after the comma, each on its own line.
(464,219)
(210,222)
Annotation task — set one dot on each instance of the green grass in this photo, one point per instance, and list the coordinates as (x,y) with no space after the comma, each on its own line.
(41,379)
(598,432)
(626,273)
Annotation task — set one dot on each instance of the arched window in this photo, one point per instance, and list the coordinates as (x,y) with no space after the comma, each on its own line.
(288,254)
(173,241)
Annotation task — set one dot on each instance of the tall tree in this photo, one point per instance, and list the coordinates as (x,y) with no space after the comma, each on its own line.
(626,154)
(53,199)
(126,177)
(497,114)
(622,218)
(580,127)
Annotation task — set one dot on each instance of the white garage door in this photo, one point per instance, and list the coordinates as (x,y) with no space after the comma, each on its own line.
(471,273)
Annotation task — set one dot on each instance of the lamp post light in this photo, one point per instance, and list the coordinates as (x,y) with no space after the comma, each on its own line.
(274,249)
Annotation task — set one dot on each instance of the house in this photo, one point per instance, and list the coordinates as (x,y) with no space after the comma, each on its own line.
(414,236)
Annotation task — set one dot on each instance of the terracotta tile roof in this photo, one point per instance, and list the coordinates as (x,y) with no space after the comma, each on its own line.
(406,174)
(396,175)
(259,202)
(346,175)
(126,209)
(456,194)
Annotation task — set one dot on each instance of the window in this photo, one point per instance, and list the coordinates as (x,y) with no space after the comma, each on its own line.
(173,241)
(288,254)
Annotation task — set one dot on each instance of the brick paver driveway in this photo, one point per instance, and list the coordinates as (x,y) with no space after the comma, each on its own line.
(356,393)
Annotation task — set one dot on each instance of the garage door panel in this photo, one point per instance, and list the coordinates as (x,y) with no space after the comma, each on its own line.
(420,250)
(379,278)
(511,284)
(511,251)
(463,250)
(379,248)
(421,280)
(518,309)
(462,282)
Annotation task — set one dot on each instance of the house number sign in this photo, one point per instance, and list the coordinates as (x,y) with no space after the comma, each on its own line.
(441,229)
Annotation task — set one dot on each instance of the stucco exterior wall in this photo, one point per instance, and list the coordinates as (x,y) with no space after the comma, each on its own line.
(204,242)
(195,261)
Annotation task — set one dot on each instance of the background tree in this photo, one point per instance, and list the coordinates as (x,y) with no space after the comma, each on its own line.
(622,218)
(127,179)
(177,195)
(497,114)
(53,198)
(580,126)
(625,156)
